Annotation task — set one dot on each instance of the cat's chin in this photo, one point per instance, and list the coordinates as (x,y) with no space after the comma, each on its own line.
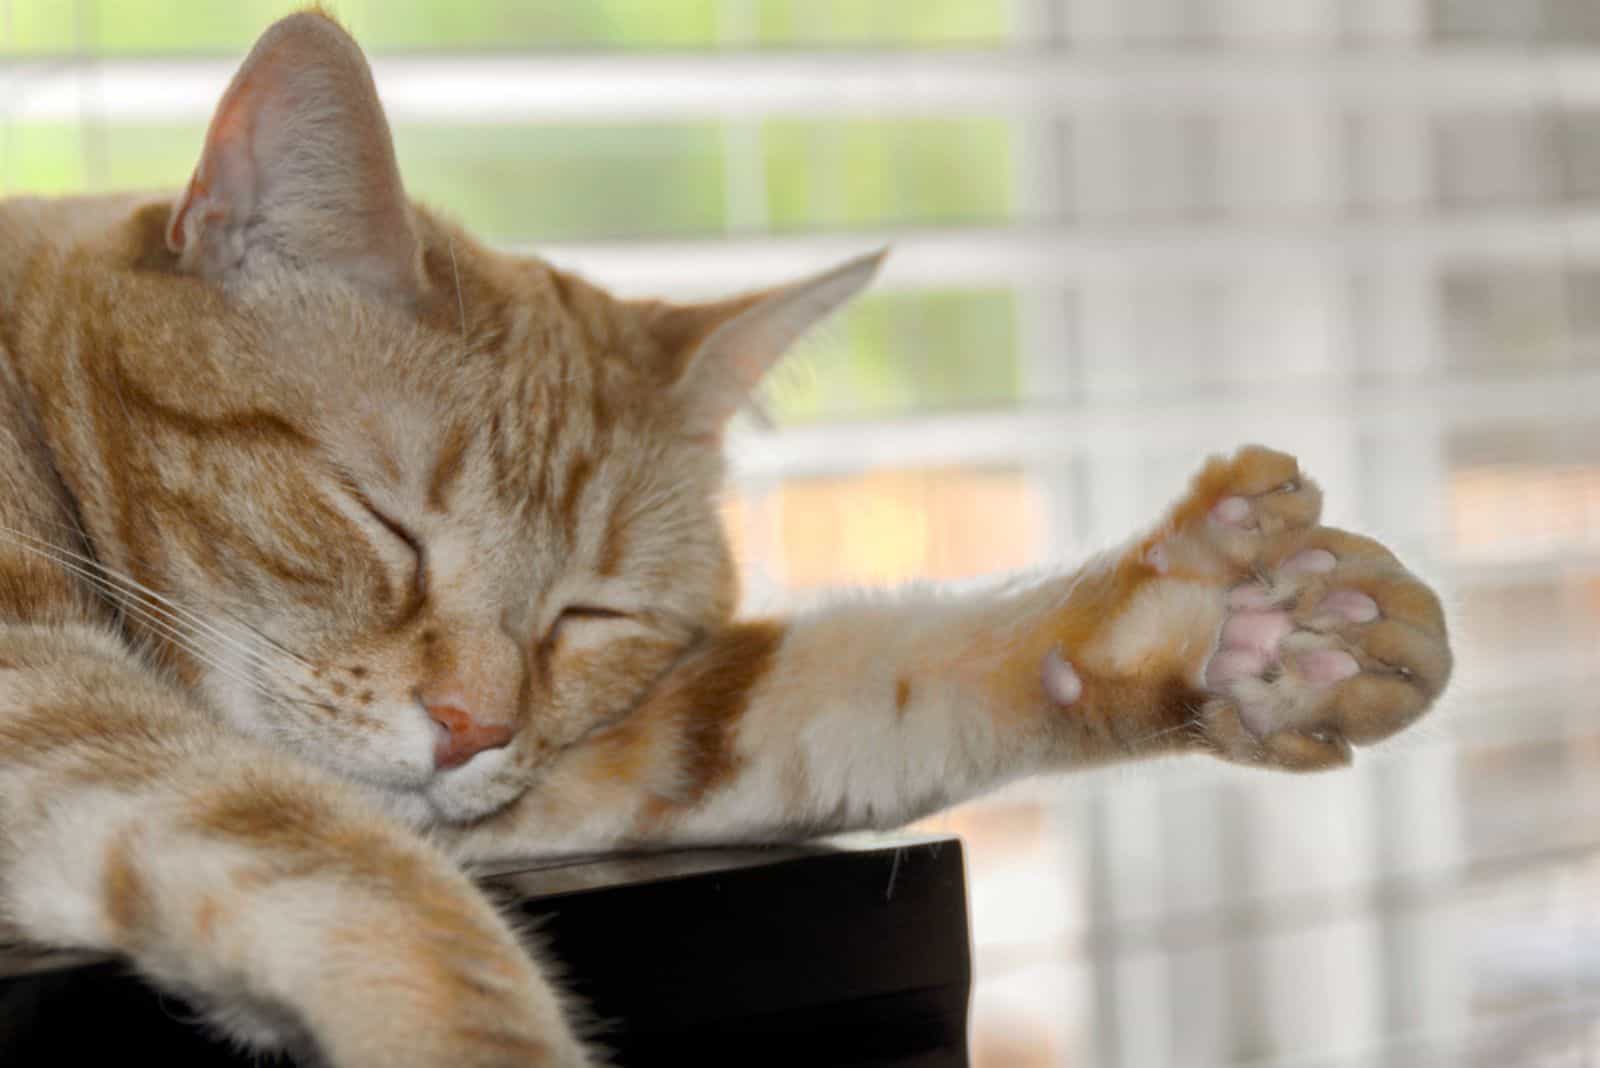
(464,796)
(452,797)
(422,809)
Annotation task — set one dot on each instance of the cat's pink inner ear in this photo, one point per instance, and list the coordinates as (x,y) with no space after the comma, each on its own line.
(298,167)
(221,180)
(718,353)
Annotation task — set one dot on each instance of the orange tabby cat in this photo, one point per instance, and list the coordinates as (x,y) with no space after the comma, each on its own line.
(338,549)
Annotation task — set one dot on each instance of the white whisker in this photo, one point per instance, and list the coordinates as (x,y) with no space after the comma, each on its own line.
(126,585)
(461,301)
(154,616)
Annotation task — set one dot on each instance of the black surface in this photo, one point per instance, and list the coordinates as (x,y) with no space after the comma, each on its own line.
(845,954)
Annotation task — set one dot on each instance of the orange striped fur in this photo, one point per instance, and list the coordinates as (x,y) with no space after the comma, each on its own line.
(337,549)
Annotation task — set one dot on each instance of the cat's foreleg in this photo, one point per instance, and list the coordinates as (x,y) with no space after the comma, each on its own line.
(269,894)
(1237,626)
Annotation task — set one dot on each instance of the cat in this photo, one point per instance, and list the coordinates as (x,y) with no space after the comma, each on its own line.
(340,551)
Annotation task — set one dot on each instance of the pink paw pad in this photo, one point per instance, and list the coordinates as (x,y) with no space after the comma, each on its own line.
(1257,631)
(1324,667)
(1255,642)
(1232,511)
(1232,665)
(1310,562)
(1061,681)
(1352,605)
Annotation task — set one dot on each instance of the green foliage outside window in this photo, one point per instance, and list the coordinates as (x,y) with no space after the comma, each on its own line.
(180,27)
(531,183)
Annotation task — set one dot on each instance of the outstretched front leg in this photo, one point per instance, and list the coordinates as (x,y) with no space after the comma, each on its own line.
(1237,627)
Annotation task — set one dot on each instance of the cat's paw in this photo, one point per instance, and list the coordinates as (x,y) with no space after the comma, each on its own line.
(1314,639)
(1241,627)
(1329,643)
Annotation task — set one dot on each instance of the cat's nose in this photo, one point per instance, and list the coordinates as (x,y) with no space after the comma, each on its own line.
(464,737)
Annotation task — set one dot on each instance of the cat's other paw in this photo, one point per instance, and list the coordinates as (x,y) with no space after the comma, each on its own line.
(1329,642)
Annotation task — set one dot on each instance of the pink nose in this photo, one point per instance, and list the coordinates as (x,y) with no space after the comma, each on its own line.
(464,738)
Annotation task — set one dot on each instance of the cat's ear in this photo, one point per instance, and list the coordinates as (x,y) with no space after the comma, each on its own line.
(717,353)
(298,168)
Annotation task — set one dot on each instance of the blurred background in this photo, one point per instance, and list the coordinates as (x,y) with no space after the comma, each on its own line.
(1127,233)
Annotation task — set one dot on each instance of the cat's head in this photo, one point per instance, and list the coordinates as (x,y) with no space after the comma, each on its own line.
(437,512)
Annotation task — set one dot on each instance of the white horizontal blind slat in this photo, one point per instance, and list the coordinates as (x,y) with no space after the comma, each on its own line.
(1054,253)
(627,87)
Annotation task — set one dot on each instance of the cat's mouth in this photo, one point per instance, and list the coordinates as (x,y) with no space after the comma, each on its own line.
(468,794)
(465,793)
(455,797)
(400,764)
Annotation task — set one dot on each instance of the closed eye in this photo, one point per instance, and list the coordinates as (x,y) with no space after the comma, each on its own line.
(405,536)
(581,613)
(576,612)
